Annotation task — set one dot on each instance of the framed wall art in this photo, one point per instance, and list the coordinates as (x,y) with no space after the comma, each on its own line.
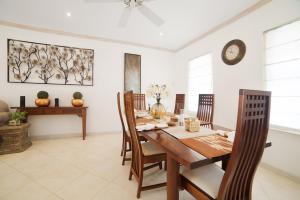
(132,72)
(31,62)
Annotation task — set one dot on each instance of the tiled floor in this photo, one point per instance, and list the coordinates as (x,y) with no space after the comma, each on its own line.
(72,169)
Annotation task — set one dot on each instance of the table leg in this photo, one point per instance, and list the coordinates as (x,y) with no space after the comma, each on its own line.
(172,179)
(83,116)
(225,162)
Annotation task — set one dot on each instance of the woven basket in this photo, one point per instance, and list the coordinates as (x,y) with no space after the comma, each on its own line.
(192,124)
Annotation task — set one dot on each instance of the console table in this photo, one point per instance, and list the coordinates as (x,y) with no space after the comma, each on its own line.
(79,111)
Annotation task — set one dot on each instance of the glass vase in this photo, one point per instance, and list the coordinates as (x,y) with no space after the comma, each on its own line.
(158,110)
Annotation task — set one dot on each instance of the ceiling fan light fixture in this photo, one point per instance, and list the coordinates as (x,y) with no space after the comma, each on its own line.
(133,3)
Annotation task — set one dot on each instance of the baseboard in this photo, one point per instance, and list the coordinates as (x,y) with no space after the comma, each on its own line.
(68,135)
(280,172)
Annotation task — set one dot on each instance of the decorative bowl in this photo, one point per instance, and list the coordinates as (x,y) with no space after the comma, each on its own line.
(77,102)
(42,102)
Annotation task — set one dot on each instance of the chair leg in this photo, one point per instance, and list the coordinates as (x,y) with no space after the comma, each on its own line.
(122,150)
(124,157)
(160,165)
(140,184)
(130,175)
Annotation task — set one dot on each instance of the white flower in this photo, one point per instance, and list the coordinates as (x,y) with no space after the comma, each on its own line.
(157,91)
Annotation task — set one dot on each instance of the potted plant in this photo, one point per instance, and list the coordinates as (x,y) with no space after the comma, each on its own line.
(42,99)
(157,92)
(16,118)
(77,100)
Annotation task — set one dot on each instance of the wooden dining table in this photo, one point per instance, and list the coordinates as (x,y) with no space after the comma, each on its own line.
(179,153)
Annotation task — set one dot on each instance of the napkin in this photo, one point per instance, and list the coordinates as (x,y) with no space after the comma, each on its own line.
(145,127)
(161,125)
(142,114)
(229,134)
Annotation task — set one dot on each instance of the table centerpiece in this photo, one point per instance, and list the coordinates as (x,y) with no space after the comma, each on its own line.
(157,92)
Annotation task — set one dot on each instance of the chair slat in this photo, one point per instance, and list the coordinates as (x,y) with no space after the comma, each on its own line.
(179,103)
(139,101)
(206,108)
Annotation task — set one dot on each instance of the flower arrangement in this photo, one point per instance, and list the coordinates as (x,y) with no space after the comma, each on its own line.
(157,92)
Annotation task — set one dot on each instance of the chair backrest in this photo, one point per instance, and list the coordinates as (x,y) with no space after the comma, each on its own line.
(206,107)
(139,101)
(249,143)
(179,103)
(121,115)
(136,144)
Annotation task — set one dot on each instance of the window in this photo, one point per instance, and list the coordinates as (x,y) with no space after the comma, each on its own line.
(282,75)
(199,80)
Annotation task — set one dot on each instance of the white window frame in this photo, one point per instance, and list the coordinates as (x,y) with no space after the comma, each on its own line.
(275,127)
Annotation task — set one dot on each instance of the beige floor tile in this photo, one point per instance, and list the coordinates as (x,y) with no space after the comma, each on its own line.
(19,158)
(5,169)
(113,191)
(12,181)
(30,191)
(56,179)
(84,187)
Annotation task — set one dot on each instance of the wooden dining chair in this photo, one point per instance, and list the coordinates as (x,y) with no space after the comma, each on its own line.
(179,103)
(126,141)
(211,182)
(142,153)
(139,101)
(206,109)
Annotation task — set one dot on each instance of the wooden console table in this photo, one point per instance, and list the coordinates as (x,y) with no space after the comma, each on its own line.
(79,111)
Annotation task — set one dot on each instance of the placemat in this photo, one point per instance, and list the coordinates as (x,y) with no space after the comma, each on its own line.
(179,132)
(209,146)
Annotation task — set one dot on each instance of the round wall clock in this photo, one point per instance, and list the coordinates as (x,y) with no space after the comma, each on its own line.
(233,52)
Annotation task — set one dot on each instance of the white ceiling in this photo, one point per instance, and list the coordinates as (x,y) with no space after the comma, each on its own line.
(185,20)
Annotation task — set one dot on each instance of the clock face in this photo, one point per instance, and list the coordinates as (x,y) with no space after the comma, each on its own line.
(233,52)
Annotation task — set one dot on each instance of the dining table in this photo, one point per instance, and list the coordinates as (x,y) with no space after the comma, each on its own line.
(189,149)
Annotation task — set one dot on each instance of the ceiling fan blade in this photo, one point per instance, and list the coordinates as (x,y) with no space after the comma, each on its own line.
(124,17)
(149,14)
(102,1)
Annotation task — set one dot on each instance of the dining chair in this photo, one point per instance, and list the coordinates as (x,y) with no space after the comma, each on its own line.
(206,109)
(211,182)
(139,101)
(126,141)
(142,153)
(179,103)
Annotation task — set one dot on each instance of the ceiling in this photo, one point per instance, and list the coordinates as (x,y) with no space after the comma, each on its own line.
(185,20)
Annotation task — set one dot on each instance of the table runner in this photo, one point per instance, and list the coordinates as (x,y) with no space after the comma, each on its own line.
(209,146)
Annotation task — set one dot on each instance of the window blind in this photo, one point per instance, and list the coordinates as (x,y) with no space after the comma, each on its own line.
(199,80)
(282,74)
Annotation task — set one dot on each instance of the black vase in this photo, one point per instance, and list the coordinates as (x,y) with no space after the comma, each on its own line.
(56,102)
(22,101)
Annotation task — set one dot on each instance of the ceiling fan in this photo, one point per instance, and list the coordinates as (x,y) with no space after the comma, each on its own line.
(131,4)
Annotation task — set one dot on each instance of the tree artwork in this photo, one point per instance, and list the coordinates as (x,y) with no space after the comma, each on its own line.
(30,62)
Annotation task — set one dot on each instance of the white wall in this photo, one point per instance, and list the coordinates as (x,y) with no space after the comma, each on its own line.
(157,67)
(247,74)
